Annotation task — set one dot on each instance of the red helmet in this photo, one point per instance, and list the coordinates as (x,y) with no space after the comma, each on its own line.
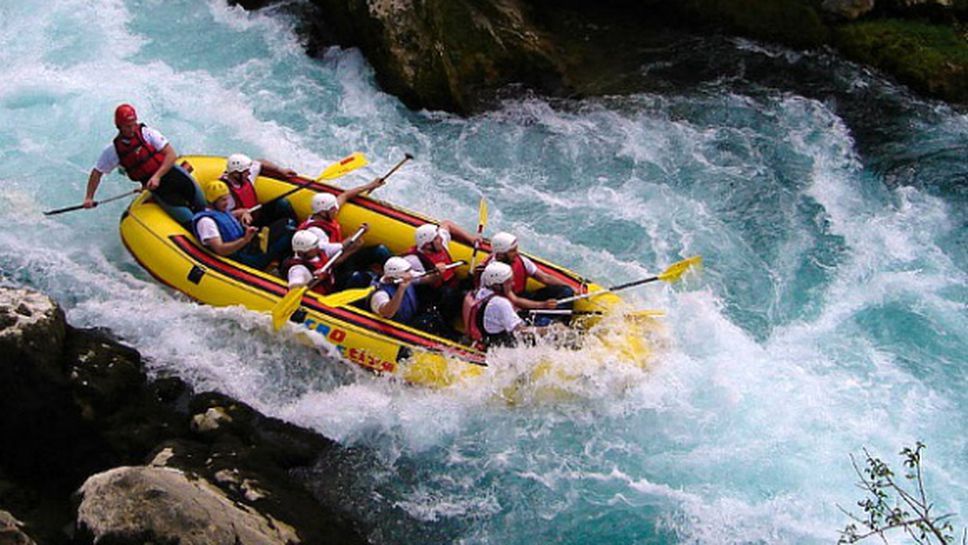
(124,114)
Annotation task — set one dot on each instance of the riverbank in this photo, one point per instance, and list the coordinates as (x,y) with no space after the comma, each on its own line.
(459,56)
(97,451)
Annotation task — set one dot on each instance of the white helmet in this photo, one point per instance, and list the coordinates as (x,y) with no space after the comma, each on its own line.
(303,241)
(503,243)
(323,202)
(495,274)
(237,163)
(396,267)
(426,234)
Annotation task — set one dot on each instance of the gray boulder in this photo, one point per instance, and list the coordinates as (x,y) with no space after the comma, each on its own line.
(11,532)
(164,505)
(32,327)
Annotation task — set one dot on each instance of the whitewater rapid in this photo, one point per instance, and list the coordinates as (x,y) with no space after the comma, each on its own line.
(830,315)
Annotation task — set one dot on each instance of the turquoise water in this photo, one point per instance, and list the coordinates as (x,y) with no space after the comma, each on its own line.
(831,314)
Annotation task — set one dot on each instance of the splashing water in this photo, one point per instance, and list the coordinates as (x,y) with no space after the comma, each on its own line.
(831,313)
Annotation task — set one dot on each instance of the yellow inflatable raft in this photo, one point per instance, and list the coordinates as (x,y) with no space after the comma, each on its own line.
(174,257)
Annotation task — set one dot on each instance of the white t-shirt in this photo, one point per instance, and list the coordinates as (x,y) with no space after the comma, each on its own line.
(109,160)
(377,300)
(254,171)
(300,275)
(207,230)
(414,261)
(499,314)
(529,266)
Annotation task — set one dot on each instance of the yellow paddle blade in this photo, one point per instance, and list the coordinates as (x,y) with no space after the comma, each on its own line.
(676,269)
(264,240)
(286,306)
(346,297)
(482,213)
(343,166)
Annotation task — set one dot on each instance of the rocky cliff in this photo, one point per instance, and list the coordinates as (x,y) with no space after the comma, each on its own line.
(458,55)
(94,452)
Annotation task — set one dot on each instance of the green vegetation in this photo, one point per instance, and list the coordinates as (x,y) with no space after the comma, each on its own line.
(931,58)
(890,507)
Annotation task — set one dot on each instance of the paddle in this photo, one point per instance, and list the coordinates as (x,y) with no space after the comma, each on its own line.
(446,267)
(288,304)
(481,222)
(406,157)
(343,166)
(352,295)
(669,275)
(628,314)
(102,201)
(346,296)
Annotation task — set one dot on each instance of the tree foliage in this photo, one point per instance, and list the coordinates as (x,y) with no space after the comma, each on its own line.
(892,504)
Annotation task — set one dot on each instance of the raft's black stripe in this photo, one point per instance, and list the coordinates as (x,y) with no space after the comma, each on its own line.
(277,288)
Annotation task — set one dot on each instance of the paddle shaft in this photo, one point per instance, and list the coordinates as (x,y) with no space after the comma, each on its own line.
(565,311)
(310,182)
(329,262)
(611,289)
(283,196)
(671,274)
(406,157)
(482,219)
(102,201)
(447,267)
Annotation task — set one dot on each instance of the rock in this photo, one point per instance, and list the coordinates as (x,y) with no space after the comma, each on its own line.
(210,420)
(83,404)
(11,531)
(33,329)
(160,504)
(847,9)
(55,447)
(444,54)
(930,58)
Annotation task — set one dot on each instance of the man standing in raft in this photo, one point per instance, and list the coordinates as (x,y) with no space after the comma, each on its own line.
(225,235)
(240,174)
(148,158)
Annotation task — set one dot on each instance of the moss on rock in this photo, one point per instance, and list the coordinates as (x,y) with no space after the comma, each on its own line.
(931,58)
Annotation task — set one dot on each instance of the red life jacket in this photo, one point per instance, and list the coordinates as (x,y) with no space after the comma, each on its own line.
(243,195)
(330,227)
(519,274)
(327,285)
(139,159)
(474,318)
(430,261)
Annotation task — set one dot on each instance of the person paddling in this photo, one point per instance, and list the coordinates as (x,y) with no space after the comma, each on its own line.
(241,173)
(395,296)
(225,235)
(148,158)
(365,265)
(432,251)
(490,315)
(310,257)
(504,249)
